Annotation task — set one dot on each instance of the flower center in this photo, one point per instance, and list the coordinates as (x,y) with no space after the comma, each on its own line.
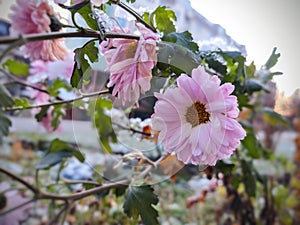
(196,114)
(131,49)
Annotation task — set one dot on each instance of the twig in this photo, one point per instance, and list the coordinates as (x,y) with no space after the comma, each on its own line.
(134,13)
(80,195)
(22,82)
(19,179)
(58,102)
(132,129)
(72,34)
(17,207)
(56,217)
(81,182)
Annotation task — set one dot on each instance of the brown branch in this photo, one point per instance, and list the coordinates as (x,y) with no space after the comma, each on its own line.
(72,34)
(19,179)
(17,207)
(22,82)
(132,129)
(80,195)
(134,13)
(58,102)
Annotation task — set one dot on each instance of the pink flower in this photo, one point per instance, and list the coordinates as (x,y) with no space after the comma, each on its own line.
(34,16)
(13,199)
(196,120)
(95,2)
(130,63)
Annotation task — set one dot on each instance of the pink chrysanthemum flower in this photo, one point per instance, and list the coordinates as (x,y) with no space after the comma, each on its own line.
(130,63)
(196,120)
(34,16)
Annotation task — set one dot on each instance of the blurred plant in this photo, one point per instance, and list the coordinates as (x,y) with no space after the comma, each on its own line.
(195,133)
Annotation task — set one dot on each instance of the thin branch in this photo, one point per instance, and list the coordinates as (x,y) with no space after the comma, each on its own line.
(56,217)
(81,182)
(80,195)
(72,34)
(22,82)
(58,102)
(17,207)
(132,129)
(19,179)
(135,14)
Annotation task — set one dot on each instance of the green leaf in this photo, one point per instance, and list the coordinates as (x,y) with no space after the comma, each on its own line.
(273,59)
(130,1)
(75,7)
(57,113)
(22,102)
(224,167)
(6,100)
(57,152)
(254,85)
(86,13)
(176,58)
(213,62)
(57,84)
(139,200)
(52,159)
(184,39)
(163,19)
(16,67)
(103,122)
(42,113)
(249,178)
(273,118)
(82,68)
(250,142)
(5,124)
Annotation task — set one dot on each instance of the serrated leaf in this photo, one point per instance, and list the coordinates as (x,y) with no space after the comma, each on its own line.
(139,201)
(163,19)
(82,68)
(273,59)
(53,88)
(184,39)
(16,67)
(248,178)
(57,113)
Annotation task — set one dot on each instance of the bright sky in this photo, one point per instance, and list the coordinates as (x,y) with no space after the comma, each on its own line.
(261,25)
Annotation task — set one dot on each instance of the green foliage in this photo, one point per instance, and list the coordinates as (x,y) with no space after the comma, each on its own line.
(53,88)
(103,122)
(184,39)
(82,68)
(21,102)
(130,1)
(273,59)
(162,19)
(173,58)
(42,113)
(250,142)
(57,152)
(139,200)
(57,113)
(273,118)
(5,102)
(249,178)
(16,67)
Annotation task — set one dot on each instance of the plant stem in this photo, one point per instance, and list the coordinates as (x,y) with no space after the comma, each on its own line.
(19,179)
(22,82)
(80,195)
(17,207)
(58,102)
(134,13)
(72,34)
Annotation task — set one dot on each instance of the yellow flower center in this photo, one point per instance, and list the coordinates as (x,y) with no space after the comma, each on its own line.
(196,114)
(131,49)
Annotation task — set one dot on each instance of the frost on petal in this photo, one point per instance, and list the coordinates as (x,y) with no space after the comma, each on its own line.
(196,119)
